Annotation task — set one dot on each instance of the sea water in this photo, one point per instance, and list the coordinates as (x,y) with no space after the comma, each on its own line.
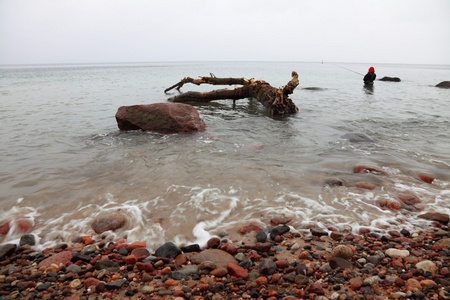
(64,161)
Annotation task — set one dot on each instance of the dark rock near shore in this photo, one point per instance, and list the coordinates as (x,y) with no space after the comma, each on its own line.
(444,85)
(105,264)
(318,232)
(392,79)
(168,250)
(261,237)
(106,223)
(163,118)
(267,267)
(7,250)
(279,230)
(27,239)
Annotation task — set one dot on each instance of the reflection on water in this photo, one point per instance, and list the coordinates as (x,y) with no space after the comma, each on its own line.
(368,88)
(67,162)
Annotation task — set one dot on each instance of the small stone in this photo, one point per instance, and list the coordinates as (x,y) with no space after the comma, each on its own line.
(236,270)
(73,268)
(279,230)
(338,262)
(136,245)
(413,285)
(213,243)
(318,232)
(75,283)
(427,265)
(105,264)
(396,253)
(130,260)
(267,267)
(342,251)
(261,237)
(219,272)
(336,235)
(254,226)
(355,283)
(168,250)
(316,289)
(114,285)
(372,280)
(295,246)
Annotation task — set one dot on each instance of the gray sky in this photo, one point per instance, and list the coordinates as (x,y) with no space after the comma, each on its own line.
(89,31)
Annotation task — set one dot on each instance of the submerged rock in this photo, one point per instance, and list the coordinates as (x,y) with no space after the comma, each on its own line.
(160,117)
(434,216)
(392,79)
(369,169)
(112,222)
(444,85)
(357,137)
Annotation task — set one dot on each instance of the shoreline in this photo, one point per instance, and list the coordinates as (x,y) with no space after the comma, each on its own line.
(271,264)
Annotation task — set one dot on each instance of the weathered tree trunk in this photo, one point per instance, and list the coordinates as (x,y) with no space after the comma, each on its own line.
(277,101)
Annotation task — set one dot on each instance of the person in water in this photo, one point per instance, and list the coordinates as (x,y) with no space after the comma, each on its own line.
(370,76)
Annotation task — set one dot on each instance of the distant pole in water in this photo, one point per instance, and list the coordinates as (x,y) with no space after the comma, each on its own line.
(322,61)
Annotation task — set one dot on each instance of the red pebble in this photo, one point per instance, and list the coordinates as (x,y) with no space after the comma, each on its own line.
(148,267)
(254,226)
(135,245)
(426,178)
(178,293)
(130,259)
(213,243)
(261,280)
(237,270)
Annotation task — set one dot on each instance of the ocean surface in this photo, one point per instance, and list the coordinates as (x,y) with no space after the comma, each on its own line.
(64,162)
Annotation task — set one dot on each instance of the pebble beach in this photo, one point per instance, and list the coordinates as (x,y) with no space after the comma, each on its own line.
(270,261)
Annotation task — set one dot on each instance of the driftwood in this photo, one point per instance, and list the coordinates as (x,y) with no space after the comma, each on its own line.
(276,100)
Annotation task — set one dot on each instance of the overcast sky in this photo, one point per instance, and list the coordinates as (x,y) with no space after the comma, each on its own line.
(89,31)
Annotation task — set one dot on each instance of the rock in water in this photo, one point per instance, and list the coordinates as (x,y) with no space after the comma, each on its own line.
(160,117)
(434,216)
(444,84)
(112,222)
(392,79)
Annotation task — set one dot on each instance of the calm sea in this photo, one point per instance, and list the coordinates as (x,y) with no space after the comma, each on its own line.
(64,161)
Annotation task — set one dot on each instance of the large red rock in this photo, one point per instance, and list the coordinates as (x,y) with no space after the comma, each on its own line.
(106,223)
(160,117)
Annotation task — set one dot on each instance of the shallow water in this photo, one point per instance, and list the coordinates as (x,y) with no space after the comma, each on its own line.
(64,161)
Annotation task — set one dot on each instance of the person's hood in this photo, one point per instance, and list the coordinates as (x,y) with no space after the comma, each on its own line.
(371,70)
